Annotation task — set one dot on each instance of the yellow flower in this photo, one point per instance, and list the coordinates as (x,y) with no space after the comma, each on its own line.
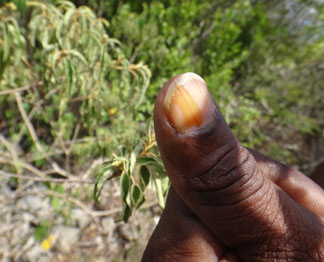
(112,111)
(46,244)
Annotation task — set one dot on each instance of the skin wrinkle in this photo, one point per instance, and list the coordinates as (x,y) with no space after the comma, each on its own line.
(230,172)
(204,178)
(220,191)
(295,228)
(237,166)
(299,237)
(243,218)
(176,251)
(232,148)
(303,230)
(181,254)
(195,178)
(272,245)
(280,253)
(259,213)
(230,184)
(172,246)
(258,201)
(166,239)
(236,184)
(271,200)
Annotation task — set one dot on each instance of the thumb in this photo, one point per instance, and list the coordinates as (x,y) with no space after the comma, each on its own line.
(218,179)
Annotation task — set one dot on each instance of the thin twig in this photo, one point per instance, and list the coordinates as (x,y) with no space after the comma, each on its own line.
(38,179)
(61,171)
(14,90)
(69,150)
(27,166)
(29,125)
(7,229)
(86,209)
(34,137)
(30,116)
(24,186)
(11,150)
(74,138)
(86,244)
(105,213)
(42,174)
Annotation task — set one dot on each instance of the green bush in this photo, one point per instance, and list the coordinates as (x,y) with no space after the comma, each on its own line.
(68,94)
(261,66)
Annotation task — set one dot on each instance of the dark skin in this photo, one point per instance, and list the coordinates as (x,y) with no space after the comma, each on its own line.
(228,203)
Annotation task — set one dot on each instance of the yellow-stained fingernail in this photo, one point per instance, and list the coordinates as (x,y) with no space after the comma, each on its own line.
(188,104)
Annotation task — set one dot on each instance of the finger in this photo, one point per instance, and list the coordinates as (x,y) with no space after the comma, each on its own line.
(180,236)
(229,257)
(298,186)
(318,175)
(215,176)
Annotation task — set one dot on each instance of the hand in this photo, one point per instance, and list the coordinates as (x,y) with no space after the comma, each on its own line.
(227,203)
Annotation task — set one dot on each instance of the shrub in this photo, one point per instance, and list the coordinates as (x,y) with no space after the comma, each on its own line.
(68,94)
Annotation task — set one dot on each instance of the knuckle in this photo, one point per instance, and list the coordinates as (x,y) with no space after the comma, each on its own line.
(232,169)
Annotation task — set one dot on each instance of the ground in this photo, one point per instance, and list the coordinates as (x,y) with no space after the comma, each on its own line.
(41,225)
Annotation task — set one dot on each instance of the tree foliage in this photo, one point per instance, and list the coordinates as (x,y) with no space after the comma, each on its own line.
(262,62)
(67,91)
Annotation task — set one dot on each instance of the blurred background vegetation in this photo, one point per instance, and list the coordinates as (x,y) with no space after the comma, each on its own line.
(78,81)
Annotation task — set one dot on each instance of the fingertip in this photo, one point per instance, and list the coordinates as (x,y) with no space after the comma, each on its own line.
(185,103)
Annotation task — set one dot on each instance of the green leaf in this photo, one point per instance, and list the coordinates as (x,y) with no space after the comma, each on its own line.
(41,231)
(141,202)
(136,194)
(137,149)
(161,186)
(145,177)
(6,48)
(56,204)
(78,55)
(69,76)
(59,189)
(103,174)
(123,150)
(102,60)
(68,15)
(125,184)
(68,4)
(21,4)
(127,211)
(145,161)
